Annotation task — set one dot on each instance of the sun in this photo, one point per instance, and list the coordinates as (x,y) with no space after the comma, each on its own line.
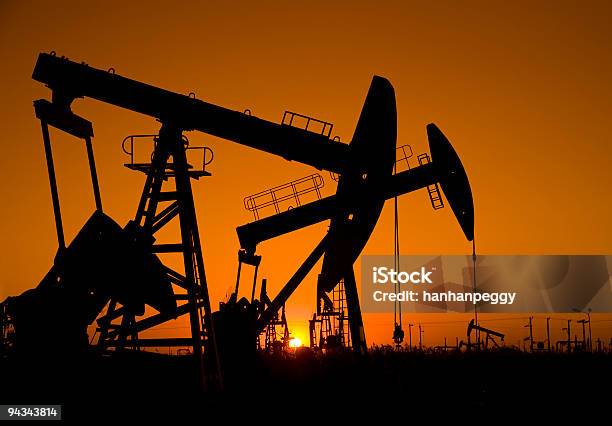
(295,342)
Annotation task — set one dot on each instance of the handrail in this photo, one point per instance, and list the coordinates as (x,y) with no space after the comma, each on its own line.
(275,196)
(127,145)
(401,155)
(205,150)
(131,138)
(326,126)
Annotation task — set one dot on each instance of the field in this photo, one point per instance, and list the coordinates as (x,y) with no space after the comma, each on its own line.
(143,385)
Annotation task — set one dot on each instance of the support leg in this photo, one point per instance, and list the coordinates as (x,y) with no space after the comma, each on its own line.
(53,183)
(201,323)
(354,312)
(94,174)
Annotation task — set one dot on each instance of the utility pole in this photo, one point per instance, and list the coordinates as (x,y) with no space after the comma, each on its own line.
(530,338)
(410,336)
(584,343)
(569,336)
(590,335)
(474,292)
(588,321)
(548,333)
(420,338)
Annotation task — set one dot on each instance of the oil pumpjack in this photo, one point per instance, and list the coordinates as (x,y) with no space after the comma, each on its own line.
(490,336)
(133,275)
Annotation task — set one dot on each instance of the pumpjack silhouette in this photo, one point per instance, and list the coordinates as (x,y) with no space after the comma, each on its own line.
(118,268)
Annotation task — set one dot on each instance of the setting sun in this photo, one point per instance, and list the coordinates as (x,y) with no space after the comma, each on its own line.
(295,342)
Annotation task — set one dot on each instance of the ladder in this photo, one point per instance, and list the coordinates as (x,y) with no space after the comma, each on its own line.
(333,319)
(432,190)
(158,207)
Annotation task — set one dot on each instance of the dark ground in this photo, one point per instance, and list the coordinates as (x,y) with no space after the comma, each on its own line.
(147,385)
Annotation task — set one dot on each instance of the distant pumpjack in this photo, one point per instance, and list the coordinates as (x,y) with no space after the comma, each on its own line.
(329,326)
(490,334)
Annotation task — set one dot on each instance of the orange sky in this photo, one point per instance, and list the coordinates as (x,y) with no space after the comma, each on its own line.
(522,90)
